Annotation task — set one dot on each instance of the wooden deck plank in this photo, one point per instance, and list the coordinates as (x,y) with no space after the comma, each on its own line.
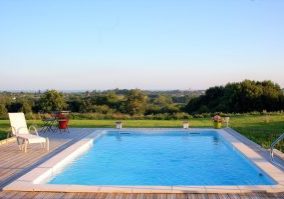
(69,195)
(21,195)
(10,194)
(30,195)
(213,196)
(139,196)
(234,196)
(223,196)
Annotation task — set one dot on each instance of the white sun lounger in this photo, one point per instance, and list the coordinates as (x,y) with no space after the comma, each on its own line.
(23,133)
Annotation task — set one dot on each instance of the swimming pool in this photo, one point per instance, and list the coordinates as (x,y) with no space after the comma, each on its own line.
(155,161)
(161,158)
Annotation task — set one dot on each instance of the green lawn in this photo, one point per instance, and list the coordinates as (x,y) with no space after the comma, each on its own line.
(260,129)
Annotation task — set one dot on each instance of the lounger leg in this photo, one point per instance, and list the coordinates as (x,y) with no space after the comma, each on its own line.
(26,145)
(19,143)
(23,144)
(47,144)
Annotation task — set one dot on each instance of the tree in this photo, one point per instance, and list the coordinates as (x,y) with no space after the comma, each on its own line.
(135,102)
(271,96)
(104,109)
(111,99)
(209,102)
(165,104)
(52,100)
(245,96)
(22,104)
(14,106)
(26,107)
(74,104)
(162,100)
(3,110)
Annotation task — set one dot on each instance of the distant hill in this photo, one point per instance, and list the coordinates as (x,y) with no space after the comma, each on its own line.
(178,93)
(178,96)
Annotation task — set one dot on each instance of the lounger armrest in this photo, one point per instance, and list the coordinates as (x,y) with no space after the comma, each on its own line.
(13,132)
(34,129)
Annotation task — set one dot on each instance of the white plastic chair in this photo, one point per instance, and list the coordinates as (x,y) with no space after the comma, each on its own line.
(23,133)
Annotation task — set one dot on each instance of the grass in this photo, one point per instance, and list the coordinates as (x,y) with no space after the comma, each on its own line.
(260,129)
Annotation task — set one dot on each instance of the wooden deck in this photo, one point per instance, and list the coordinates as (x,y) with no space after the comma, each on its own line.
(14,163)
(47,195)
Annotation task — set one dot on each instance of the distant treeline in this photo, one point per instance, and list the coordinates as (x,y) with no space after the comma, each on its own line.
(243,97)
(118,103)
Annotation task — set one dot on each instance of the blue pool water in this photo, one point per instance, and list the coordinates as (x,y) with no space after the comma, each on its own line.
(164,158)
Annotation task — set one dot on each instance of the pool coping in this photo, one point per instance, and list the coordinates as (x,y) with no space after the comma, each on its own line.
(31,180)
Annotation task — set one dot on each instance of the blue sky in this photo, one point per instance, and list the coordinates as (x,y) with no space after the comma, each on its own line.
(147,44)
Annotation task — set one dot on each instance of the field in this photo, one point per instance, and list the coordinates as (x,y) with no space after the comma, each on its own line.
(260,129)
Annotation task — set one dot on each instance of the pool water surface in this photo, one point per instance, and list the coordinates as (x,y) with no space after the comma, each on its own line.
(161,158)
